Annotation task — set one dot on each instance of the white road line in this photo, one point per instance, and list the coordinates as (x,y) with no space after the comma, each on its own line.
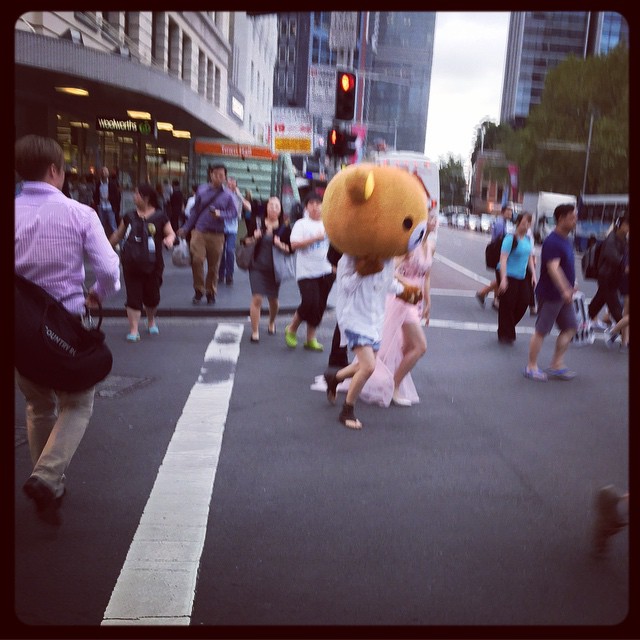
(157,583)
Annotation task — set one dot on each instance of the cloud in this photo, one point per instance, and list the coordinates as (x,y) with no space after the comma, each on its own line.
(466,79)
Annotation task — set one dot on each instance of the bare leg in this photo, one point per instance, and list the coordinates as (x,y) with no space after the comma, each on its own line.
(415,346)
(292,327)
(254,314)
(133,315)
(562,344)
(365,366)
(274,305)
(151,316)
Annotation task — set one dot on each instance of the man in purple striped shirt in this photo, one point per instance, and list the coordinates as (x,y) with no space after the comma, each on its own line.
(53,234)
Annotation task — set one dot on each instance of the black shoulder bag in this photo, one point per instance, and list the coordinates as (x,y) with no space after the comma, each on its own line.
(52,346)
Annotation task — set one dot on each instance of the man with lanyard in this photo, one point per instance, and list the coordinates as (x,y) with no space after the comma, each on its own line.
(213,207)
(228,259)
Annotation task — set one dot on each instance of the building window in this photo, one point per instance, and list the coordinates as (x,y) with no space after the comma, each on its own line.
(217,87)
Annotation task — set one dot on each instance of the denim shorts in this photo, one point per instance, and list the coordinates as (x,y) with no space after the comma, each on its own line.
(357,340)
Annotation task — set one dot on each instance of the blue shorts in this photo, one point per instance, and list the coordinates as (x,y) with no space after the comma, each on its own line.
(357,340)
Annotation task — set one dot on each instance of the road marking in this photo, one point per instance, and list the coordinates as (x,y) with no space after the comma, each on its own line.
(157,583)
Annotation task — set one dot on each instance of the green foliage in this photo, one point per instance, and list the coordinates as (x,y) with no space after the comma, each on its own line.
(574,91)
(453,186)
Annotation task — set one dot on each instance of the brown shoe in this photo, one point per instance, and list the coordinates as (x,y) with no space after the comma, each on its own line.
(607,520)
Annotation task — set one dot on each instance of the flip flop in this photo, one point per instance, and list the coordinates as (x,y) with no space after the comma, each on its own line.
(561,374)
(347,416)
(535,374)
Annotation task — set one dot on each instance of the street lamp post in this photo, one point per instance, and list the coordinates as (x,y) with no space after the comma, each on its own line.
(586,161)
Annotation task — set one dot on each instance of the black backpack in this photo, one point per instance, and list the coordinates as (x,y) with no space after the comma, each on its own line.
(139,248)
(590,260)
(492,251)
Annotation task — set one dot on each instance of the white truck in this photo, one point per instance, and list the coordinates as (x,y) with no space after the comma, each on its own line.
(414,162)
(542,205)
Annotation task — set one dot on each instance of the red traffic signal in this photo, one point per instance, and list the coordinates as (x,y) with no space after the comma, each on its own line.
(345,95)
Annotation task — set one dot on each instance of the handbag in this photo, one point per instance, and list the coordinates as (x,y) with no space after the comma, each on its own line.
(52,346)
(284,265)
(181,257)
(244,255)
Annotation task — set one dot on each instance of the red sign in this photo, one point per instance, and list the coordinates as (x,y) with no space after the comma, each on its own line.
(232,149)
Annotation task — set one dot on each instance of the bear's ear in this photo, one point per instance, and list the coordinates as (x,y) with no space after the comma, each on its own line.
(360,185)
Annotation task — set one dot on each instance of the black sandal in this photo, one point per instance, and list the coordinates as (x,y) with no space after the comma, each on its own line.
(332,386)
(347,415)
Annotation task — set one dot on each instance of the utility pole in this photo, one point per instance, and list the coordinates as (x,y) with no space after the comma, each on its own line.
(586,161)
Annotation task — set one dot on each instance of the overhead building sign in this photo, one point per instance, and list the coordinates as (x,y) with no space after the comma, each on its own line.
(292,131)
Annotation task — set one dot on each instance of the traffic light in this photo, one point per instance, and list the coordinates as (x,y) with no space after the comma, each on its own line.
(335,143)
(345,95)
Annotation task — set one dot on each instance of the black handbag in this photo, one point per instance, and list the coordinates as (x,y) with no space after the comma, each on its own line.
(244,255)
(52,346)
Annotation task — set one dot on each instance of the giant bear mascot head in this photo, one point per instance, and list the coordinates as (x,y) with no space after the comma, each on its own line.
(374,212)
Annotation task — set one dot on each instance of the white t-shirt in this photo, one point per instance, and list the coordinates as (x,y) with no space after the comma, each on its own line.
(311,261)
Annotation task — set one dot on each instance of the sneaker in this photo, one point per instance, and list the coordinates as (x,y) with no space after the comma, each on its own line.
(399,401)
(561,374)
(480,298)
(47,504)
(610,338)
(313,345)
(153,330)
(211,298)
(133,337)
(197,298)
(290,338)
(607,520)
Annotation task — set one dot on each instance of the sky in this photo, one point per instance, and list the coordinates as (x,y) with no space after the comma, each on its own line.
(466,79)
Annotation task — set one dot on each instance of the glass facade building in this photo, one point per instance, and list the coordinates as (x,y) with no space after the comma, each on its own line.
(539,40)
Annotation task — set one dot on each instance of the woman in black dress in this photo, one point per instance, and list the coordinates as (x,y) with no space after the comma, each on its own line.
(269,233)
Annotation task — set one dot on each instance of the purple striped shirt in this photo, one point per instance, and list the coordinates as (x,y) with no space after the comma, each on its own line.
(53,235)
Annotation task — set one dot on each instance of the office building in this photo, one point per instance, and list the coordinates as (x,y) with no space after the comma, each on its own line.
(539,41)
(130,90)
(392,54)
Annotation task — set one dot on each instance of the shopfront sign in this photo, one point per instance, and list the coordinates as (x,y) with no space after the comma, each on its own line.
(126,125)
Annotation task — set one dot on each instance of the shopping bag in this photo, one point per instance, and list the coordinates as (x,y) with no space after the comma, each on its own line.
(181,257)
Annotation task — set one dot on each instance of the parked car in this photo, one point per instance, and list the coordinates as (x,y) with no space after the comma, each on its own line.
(461,221)
(443,221)
(486,220)
(473,222)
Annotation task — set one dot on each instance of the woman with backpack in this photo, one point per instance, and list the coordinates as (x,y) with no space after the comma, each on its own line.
(144,230)
(516,264)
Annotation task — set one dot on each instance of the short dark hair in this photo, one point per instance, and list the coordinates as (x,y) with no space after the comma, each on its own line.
(35,154)
(219,165)
(147,191)
(562,210)
(314,196)
(505,207)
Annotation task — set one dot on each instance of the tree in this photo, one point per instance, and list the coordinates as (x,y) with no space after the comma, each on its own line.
(551,149)
(453,186)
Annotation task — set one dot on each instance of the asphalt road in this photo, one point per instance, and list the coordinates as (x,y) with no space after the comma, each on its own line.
(215,489)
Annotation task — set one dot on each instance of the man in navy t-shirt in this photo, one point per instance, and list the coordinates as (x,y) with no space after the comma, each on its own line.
(554,292)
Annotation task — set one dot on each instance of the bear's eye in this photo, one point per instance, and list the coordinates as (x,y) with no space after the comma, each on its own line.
(407,223)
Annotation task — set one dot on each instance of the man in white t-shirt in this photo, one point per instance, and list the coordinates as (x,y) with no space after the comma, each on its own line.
(314,273)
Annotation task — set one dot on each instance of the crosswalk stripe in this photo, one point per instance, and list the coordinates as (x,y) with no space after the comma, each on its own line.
(157,583)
